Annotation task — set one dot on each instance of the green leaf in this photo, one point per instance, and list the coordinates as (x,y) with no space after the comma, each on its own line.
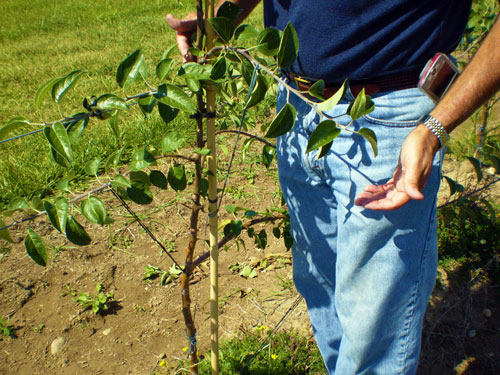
(477,167)
(289,47)
(64,84)
(361,106)
(317,90)
(259,92)
(261,239)
(114,160)
(324,150)
(219,69)
(177,177)
(193,84)
(121,181)
(92,166)
(268,154)
(168,52)
(12,125)
(108,102)
(140,179)
(228,10)
(325,132)
(141,159)
(196,71)
(44,90)
(113,124)
(171,142)
(158,179)
(203,151)
(269,41)
(223,27)
(333,100)
(4,233)
(130,68)
(37,204)
(204,187)
(248,272)
(75,129)
(76,233)
(147,104)
(370,136)
(35,248)
(283,122)
(245,32)
(63,185)
(166,112)
(140,194)
(163,68)
(59,141)
(18,204)
(57,213)
(93,210)
(453,185)
(177,98)
(495,162)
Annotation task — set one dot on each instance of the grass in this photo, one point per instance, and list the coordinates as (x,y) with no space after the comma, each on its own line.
(252,353)
(44,40)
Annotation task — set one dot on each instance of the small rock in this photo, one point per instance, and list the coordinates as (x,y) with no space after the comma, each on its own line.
(57,345)
(106,332)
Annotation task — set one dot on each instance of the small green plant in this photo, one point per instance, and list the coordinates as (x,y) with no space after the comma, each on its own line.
(252,352)
(5,328)
(468,234)
(99,303)
(166,277)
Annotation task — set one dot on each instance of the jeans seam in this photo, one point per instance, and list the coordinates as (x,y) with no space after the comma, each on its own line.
(414,297)
(392,124)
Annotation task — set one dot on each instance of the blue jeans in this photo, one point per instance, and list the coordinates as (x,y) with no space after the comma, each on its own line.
(366,275)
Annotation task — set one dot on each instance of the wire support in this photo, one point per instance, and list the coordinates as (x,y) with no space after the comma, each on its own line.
(148,231)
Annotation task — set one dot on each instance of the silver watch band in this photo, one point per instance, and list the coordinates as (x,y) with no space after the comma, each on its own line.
(435,127)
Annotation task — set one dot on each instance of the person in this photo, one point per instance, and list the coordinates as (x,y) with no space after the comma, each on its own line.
(364,227)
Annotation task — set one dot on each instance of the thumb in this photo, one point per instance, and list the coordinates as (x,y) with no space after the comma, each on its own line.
(188,24)
(412,184)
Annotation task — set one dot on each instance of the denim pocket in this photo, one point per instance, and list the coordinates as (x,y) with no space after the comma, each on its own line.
(402,108)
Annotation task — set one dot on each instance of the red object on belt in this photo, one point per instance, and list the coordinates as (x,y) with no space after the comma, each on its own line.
(393,82)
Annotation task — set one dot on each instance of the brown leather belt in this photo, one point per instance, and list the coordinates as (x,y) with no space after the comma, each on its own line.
(372,86)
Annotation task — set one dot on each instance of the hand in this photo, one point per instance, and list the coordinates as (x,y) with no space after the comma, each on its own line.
(185,29)
(410,176)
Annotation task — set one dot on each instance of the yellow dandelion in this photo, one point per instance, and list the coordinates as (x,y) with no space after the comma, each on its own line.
(185,349)
(261,328)
(162,363)
(274,356)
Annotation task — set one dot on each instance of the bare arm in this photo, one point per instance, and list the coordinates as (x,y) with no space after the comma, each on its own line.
(186,26)
(479,81)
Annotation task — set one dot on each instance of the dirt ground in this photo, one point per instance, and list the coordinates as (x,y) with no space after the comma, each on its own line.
(144,324)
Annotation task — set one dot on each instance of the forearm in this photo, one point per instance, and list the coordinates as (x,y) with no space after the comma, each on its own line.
(479,81)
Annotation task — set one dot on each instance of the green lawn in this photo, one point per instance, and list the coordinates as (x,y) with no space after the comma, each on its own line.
(43,40)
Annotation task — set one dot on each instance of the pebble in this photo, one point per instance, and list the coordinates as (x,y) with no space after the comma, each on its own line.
(57,345)
(106,332)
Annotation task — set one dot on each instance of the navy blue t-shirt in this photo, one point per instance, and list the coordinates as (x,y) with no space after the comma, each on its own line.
(363,39)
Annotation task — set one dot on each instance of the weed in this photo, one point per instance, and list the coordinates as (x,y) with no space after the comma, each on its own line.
(98,303)
(5,328)
(252,353)
(285,283)
(39,328)
(166,277)
(467,235)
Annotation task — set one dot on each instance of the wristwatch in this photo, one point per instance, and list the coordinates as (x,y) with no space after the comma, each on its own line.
(435,127)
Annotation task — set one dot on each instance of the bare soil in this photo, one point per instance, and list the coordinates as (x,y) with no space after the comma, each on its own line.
(144,324)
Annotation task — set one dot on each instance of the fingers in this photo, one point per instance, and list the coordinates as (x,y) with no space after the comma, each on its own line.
(184,29)
(187,24)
